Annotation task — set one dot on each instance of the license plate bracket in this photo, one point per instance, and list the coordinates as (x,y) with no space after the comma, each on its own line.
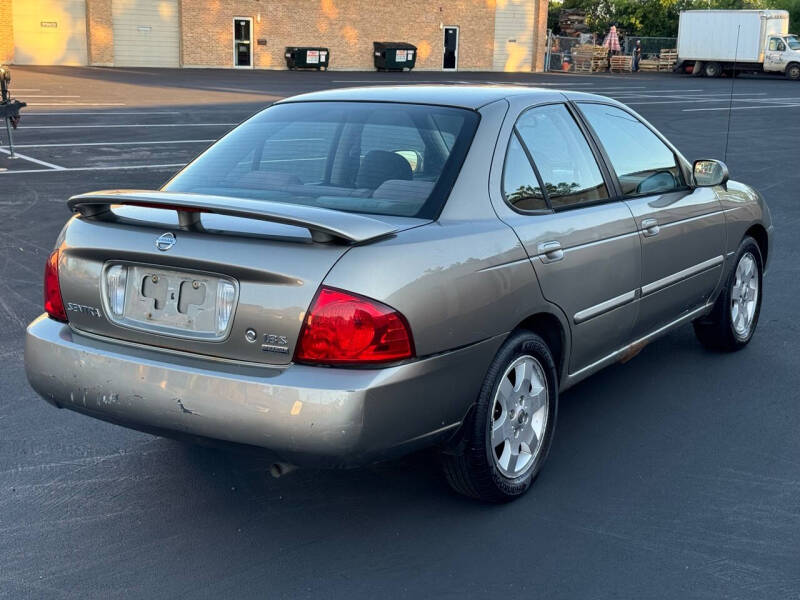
(177,303)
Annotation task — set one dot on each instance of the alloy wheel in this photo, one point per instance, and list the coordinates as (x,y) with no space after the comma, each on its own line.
(744,295)
(519,416)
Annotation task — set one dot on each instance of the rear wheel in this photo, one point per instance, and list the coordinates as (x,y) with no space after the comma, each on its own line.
(712,69)
(732,322)
(508,434)
(793,71)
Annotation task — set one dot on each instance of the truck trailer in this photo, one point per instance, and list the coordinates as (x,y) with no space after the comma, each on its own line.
(707,43)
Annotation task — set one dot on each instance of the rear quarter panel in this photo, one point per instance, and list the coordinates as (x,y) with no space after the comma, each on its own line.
(456,282)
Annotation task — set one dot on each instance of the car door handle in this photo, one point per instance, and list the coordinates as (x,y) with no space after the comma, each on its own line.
(550,251)
(650,227)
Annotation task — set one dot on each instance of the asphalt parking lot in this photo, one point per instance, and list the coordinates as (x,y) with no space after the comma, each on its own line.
(675,475)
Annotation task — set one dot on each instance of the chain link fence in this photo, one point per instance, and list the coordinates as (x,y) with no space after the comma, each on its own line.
(651,46)
(566,53)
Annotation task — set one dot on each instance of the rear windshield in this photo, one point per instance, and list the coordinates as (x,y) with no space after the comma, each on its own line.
(381,158)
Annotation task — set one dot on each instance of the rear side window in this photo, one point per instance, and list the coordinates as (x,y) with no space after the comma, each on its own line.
(520,186)
(562,156)
(369,157)
(643,163)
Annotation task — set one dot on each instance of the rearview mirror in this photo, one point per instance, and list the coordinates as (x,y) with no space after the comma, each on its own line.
(709,172)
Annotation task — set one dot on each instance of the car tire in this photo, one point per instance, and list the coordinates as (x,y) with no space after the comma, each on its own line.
(732,322)
(495,459)
(712,69)
(793,71)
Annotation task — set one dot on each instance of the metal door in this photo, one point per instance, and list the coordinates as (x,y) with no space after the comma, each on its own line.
(450,57)
(242,42)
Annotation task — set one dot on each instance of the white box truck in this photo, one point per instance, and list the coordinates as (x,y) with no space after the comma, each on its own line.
(707,42)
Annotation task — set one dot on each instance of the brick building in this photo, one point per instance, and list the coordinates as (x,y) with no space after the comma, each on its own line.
(474,35)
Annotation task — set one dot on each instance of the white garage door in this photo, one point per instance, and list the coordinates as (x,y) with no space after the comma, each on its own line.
(146,33)
(49,33)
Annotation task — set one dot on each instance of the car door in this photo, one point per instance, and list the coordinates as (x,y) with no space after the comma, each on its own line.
(775,55)
(583,245)
(682,229)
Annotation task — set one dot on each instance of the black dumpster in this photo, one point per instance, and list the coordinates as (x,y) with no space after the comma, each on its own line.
(307,58)
(394,56)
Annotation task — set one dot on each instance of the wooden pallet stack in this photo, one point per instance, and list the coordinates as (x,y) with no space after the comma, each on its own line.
(620,63)
(649,64)
(667,59)
(590,58)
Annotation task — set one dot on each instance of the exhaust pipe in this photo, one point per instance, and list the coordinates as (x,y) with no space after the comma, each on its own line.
(279,469)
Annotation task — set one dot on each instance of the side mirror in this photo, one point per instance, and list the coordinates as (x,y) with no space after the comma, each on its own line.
(709,172)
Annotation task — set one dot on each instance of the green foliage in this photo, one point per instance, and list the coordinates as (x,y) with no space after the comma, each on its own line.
(659,18)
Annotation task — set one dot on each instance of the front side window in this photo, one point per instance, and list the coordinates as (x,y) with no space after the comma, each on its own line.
(643,163)
(565,162)
(369,157)
(776,44)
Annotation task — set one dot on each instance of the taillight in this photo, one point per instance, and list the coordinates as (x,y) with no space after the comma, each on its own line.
(53,304)
(341,328)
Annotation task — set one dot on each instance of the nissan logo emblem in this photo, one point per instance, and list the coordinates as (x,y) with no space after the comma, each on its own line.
(165,241)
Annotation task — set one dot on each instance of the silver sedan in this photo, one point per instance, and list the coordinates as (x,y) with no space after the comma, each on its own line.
(354,274)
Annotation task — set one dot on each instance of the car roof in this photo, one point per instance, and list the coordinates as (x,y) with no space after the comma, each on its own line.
(462,96)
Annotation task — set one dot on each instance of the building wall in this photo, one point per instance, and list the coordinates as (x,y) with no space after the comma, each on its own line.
(100,31)
(347,27)
(6,32)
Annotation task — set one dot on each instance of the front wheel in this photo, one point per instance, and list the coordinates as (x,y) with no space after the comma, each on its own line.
(793,71)
(732,322)
(508,434)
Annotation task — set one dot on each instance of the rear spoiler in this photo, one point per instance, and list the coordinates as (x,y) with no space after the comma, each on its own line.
(324,224)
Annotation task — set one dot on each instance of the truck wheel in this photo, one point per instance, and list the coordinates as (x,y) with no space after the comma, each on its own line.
(733,320)
(697,70)
(712,69)
(506,438)
(793,71)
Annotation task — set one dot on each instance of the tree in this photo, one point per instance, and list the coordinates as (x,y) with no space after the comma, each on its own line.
(659,18)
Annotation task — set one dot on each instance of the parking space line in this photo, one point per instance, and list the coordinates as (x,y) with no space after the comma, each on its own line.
(761,106)
(76,104)
(690,96)
(701,101)
(146,143)
(131,125)
(122,112)
(115,168)
(34,160)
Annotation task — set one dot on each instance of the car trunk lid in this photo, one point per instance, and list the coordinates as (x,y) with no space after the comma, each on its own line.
(221,277)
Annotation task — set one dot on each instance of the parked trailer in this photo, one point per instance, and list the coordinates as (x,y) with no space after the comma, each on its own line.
(707,43)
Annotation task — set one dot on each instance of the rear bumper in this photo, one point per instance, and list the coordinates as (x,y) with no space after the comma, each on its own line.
(306,415)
